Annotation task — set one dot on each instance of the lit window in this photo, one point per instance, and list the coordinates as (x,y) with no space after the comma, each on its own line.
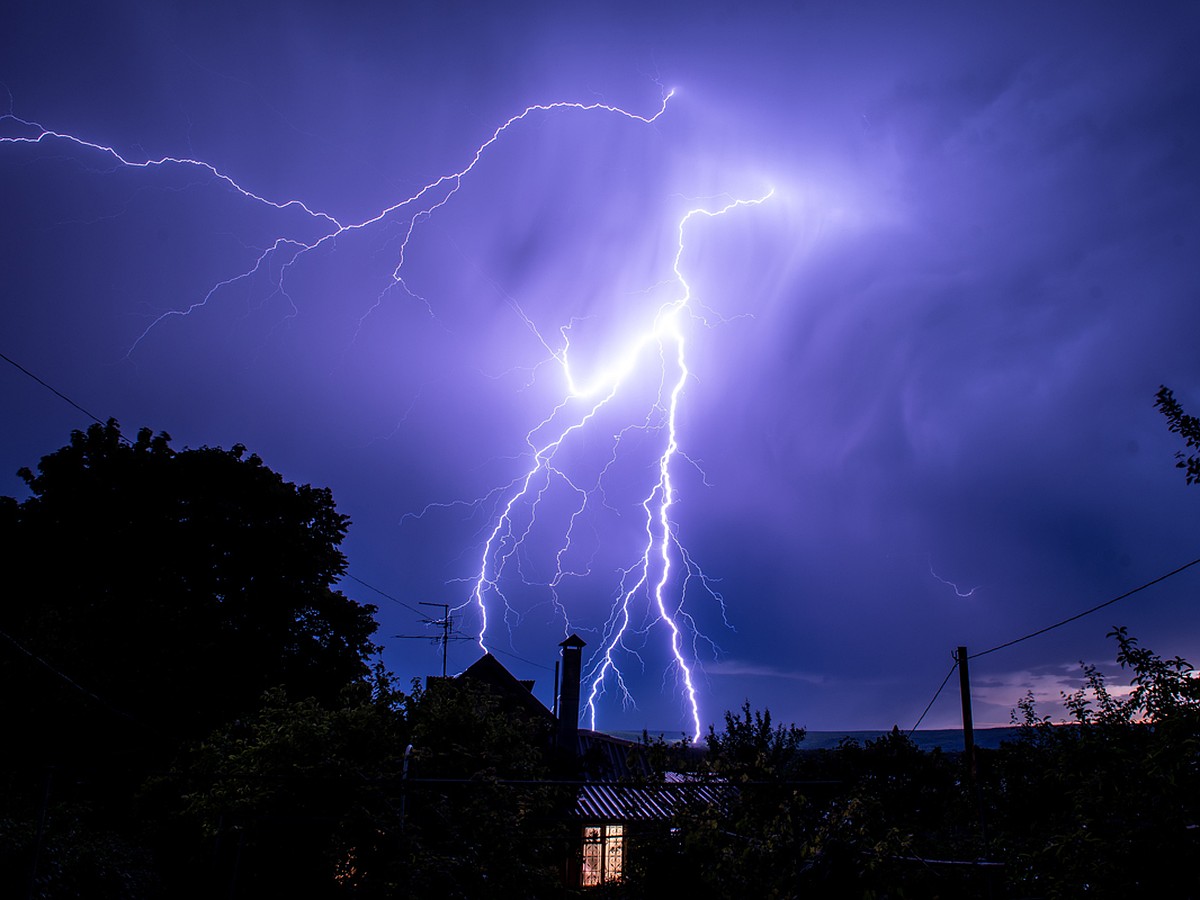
(603,854)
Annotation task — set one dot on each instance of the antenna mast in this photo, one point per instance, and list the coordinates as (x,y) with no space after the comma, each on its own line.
(445,623)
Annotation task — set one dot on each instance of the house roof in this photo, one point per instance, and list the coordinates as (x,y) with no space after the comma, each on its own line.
(607,802)
(490,671)
(608,758)
(608,762)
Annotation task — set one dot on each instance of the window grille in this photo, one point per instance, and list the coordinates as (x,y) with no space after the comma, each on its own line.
(603,854)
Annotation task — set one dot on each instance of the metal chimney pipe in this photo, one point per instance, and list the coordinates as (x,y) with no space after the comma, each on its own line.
(568,694)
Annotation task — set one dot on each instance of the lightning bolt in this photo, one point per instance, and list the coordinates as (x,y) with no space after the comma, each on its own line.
(417,208)
(650,575)
(654,583)
(957,590)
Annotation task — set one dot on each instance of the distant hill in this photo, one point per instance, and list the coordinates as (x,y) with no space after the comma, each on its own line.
(949,739)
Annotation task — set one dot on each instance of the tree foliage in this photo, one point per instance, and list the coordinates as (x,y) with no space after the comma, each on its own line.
(1187,427)
(299,798)
(1105,806)
(151,596)
(437,793)
(738,839)
(483,818)
(171,589)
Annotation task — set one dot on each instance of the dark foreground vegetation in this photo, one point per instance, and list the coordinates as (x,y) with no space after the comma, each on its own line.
(190,710)
(1107,806)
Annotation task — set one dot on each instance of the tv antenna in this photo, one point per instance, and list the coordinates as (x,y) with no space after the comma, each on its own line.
(445,623)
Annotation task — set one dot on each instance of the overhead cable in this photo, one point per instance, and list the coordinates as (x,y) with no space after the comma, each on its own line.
(383,593)
(60,394)
(1086,612)
(937,694)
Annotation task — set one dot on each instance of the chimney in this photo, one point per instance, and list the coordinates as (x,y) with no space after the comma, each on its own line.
(568,694)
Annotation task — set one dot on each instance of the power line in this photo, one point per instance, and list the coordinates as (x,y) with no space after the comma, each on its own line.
(1086,612)
(61,395)
(383,593)
(445,623)
(1040,631)
(937,694)
(492,650)
(96,418)
(68,679)
(521,658)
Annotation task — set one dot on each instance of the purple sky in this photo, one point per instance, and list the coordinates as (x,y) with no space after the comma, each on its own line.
(927,361)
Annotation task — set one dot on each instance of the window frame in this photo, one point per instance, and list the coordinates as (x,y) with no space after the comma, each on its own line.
(606,843)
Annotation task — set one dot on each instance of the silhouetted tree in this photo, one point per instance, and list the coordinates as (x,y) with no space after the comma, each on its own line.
(481,820)
(298,799)
(322,800)
(855,821)
(1188,427)
(149,596)
(166,591)
(1106,806)
(744,838)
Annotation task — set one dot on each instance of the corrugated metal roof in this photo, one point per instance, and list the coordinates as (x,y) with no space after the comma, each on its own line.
(608,758)
(607,802)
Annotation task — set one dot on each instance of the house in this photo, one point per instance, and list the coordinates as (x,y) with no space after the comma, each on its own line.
(617,795)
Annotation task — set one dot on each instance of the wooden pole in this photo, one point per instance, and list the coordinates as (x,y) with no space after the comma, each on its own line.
(40,832)
(964,688)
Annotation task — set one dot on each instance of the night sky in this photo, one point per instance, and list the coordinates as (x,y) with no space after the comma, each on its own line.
(917,410)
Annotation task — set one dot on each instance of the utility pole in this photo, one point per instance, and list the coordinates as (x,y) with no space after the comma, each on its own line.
(445,623)
(964,689)
(40,831)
